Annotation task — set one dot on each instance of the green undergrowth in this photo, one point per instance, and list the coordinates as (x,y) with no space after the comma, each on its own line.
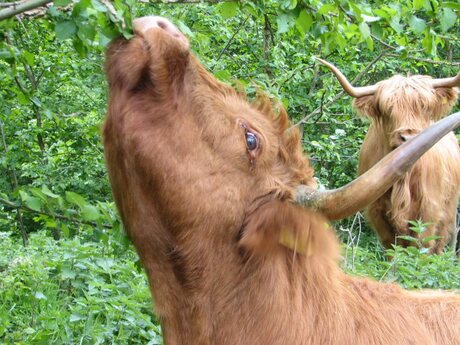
(409,267)
(76,292)
(70,292)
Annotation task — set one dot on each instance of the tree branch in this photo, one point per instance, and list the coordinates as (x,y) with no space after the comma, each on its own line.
(231,38)
(340,94)
(441,62)
(21,7)
(25,237)
(54,215)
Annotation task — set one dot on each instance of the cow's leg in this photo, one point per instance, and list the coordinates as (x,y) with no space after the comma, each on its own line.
(377,216)
(454,240)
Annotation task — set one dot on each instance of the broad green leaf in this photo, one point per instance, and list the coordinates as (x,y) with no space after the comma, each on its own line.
(5,53)
(68,273)
(90,212)
(394,23)
(417,24)
(447,19)
(431,238)
(355,9)
(34,203)
(53,11)
(76,317)
(79,47)
(46,191)
(75,199)
(325,9)
(377,29)
(453,5)
(185,29)
(228,9)
(365,31)
(401,40)
(290,4)
(86,31)
(104,40)
(65,230)
(381,13)
(36,101)
(223,75)
(304,21)
(341,41)
(30,58)
(285,102)
(38,193)
(80,9)
(98,6)
(23,99)
(106,264)
(370,44)
(428,43)
(350,30)
(23,195)
(65,30)
(418,4)
(408,238)
(284,23)
(51,223)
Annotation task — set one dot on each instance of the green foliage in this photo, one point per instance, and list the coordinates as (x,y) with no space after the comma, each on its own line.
(410,267)
(87,287)
(72,292)
(419,240)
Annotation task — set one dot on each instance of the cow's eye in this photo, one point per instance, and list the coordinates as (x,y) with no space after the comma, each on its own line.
(252,142)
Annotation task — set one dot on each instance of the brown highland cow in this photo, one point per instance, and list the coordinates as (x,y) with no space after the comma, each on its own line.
(400,108)
(206,185)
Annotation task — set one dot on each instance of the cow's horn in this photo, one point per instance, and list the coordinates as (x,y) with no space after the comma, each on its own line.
(446,82)
(349,199)
(350,89)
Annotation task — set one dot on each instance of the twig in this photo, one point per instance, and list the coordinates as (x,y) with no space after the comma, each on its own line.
(55,215)
(22,7)
(442,62)
(383,43)
(10,4)
(231,38)
(268,37)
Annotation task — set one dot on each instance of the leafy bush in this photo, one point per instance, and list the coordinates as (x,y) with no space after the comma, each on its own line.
(73,292)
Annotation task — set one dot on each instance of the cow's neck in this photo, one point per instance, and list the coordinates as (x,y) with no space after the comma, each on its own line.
(216,295)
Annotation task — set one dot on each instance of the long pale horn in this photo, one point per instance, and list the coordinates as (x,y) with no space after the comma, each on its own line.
(350,89)
(343,202)
(446,82)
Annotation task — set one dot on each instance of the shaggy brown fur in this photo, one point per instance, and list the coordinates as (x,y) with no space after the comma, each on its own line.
(230,259)
(401,108)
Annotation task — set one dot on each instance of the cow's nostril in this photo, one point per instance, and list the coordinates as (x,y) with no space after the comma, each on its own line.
(162,25)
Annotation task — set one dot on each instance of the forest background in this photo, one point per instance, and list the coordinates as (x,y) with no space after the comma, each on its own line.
(68,274)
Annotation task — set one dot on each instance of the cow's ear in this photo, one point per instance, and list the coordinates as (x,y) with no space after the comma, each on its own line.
(125,62)
(446,97)
(280,225)
(157,56)
(367,106)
